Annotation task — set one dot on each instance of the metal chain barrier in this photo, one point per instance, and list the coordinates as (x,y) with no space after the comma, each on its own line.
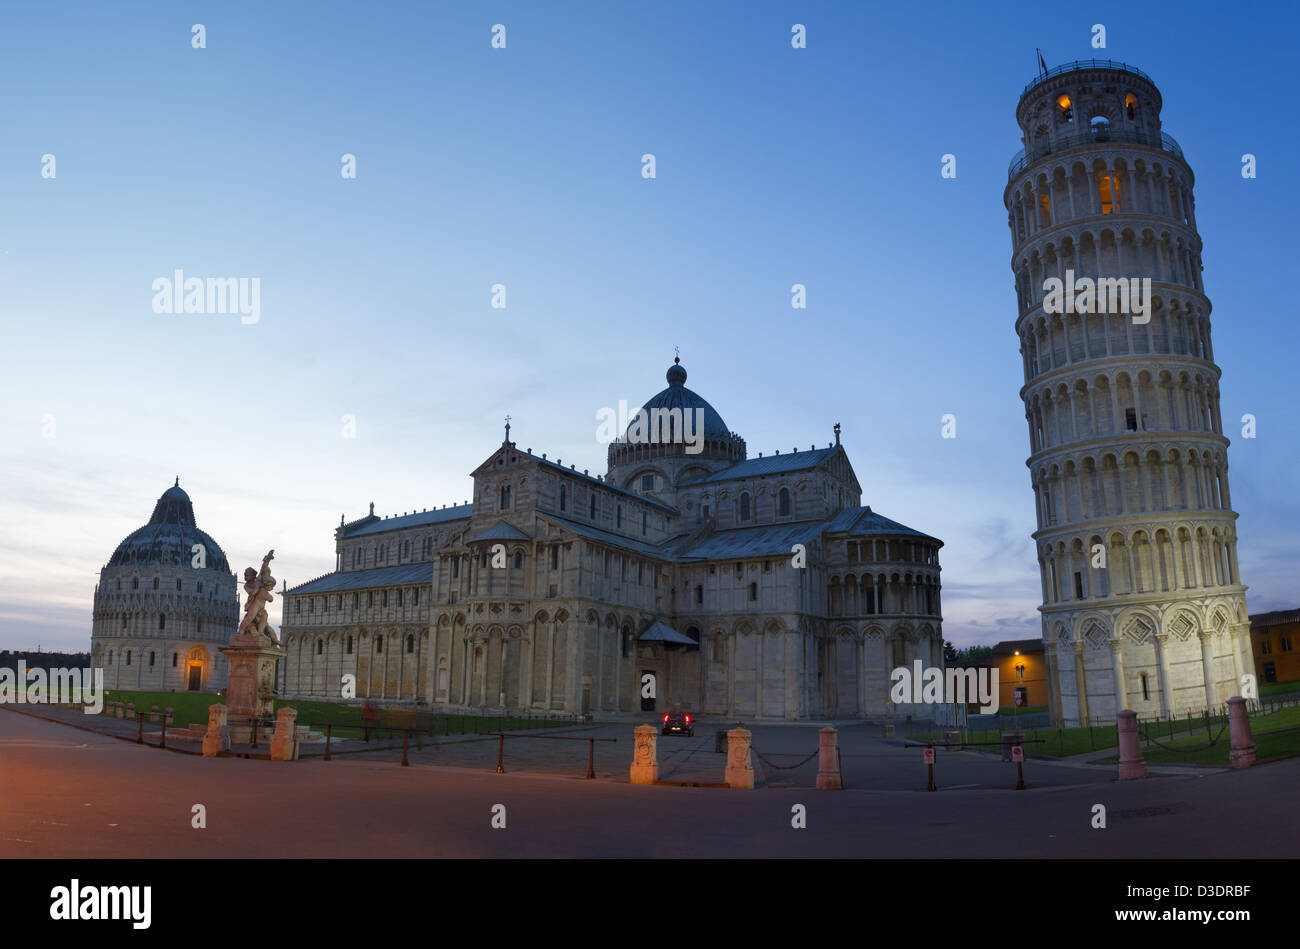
(1213,741)
(783,767)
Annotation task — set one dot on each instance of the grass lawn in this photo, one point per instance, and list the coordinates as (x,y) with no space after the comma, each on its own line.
(1266,745)
(191,708)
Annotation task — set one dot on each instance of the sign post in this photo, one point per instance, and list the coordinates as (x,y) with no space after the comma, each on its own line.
(929,764)
(1018,756)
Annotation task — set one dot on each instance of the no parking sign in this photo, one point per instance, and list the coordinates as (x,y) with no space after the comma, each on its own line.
(929,756)
(1017,753)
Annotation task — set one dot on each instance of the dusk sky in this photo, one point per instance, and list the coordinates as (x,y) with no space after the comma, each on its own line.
(522,166)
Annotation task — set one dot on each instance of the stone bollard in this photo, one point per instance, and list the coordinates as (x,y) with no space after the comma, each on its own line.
(828,762)
(1131,764)
(889,730)
(1242,754)
(217,739)
(153,714)
(118,710)
(283,746)
(169,715)
(130,710)
(645,756)
(739,772)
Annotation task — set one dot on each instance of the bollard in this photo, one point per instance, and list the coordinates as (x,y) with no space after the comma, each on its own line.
(645,758)
(163,739)
(501,754)
(591,758)
(889,730)
(153,714)
(169,715)
(1243,753)
(1131,765)
(739,772)
(283,747)
(406,735)
(329,734)
(217,738)
(130,710)
(929,754)
(139,733)
(828,762)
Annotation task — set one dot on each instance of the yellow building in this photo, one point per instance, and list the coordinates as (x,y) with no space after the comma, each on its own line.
(1273,638)
(1020,665)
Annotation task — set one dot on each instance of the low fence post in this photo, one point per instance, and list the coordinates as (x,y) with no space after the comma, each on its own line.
(1243,753)
(139,735)
(329,734)
(501,754)
(1131,764)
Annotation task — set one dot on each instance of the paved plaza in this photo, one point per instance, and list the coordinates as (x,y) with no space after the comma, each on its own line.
(72,793)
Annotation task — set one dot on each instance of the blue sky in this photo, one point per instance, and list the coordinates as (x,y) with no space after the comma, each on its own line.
(521,166)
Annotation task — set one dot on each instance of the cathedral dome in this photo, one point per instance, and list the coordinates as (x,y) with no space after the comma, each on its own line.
(169,537)
(677,396)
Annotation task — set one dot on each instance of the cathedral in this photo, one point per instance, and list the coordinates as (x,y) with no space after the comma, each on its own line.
(689,576)
(164,605)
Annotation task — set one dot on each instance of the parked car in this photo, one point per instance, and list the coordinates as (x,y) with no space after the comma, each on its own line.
(679,723)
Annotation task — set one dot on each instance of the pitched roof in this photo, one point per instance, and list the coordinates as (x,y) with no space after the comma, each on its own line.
(359,579)
(772,540)
(768,464)
(1010,646)
(660,632)
(862,521)
(419,519)
(501,530)
(608,537)
(1276,618)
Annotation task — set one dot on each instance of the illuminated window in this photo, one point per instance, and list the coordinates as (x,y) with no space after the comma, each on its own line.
(1066,109)
(1130,105)
(1108,192)
(1044,210)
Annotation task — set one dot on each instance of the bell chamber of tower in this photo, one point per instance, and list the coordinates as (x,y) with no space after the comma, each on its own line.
(1143,607)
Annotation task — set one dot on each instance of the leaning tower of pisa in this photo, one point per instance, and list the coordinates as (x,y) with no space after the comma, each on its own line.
(1143,607)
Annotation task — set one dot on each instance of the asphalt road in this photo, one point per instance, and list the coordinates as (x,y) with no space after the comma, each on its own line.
(68,793)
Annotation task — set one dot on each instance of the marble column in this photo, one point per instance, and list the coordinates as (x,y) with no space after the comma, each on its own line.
(1080,682)
(1162,656)
(1207,667)
(1117,665)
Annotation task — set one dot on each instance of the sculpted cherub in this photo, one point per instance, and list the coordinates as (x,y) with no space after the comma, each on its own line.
(258,586)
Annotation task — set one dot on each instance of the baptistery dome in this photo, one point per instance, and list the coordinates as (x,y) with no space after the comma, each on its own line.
(165,604)
(169,537)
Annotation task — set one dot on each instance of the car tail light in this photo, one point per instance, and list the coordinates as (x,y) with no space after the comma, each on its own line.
(688,718)
(665,718)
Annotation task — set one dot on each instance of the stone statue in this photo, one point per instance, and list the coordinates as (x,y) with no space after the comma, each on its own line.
(258,586)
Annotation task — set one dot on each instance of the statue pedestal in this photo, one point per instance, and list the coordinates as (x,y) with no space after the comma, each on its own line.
(250,685)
